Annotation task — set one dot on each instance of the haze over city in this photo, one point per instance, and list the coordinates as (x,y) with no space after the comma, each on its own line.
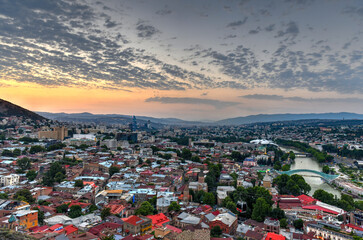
(195,60)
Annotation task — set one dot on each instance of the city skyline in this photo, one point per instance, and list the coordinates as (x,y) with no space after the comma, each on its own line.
(192,60)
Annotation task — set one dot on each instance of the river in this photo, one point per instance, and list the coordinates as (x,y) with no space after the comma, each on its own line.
(315,182)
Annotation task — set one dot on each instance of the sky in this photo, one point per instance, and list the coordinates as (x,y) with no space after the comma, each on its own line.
(190,59)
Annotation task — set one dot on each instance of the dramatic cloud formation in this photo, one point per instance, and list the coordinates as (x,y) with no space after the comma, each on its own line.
(299,99)
(235,47)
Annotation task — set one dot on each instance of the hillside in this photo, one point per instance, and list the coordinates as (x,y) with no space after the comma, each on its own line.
(288,117)
(8,109)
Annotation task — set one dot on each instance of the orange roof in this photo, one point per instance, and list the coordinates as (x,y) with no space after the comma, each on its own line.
(134,220)
(70,229)
(274,236)
(54,227)
(115,208)
(158,219)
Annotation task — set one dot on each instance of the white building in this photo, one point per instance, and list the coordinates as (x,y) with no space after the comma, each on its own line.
(8,180)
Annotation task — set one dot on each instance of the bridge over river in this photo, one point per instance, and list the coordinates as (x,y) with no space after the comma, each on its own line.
(327,177)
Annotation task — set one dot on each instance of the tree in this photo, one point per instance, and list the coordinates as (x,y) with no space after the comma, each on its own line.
(285,167)
(209,199)
(145,209)
(92,208)
(186,153)
(299,224)
(79,183)
(195,159)
(283,223)
(62,208)
(3,196)
(174,206)
(277,213)
(24,195)
(40,216)
(23,163)
(216,231)
(59,177)
(260,210)
(105,213)
(36,149)
(75,211)
(49,177)
(326,169)
(112,170)
(31,175)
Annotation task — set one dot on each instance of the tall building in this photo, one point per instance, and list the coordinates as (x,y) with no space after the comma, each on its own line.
(58,133)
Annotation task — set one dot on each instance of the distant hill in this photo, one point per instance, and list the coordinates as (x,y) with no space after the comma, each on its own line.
(8,109)
(114,119)
(288,117)
(158,122)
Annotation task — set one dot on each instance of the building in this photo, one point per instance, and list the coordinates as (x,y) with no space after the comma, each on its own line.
(9,180)
(267,181)
(222,193)
(226,221)
(27,218)
(324,233)
(271,225)
(137,225)
(58,133)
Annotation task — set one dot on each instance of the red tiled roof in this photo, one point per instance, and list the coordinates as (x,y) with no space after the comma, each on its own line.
(54,227)
(306,199)
(134,220)
(274,236)
(159,219)
(174,229)
(316,207)
(70,229)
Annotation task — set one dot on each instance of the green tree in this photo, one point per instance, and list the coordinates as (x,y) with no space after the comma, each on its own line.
(285,167)
(283,223)
(36,149)
(260,210)
(49,178)
(113,169)
(24,163)
(3,196)
(40,216)
(59,177)
(186,153)
(105,213)
(299,224)
(174,206)
(216,231)
(277,213)
(92,208)
(31,175)
(195,159)
(62,208)
(75,211)
(209,199)
(17,152)
(326,169)
(79,183)
(145,209)
(112,237)
(24,195)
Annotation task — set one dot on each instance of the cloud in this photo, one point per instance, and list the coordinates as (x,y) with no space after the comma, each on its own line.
(237,23)
(195,101)
(145,30)
(298,99)
(292,30)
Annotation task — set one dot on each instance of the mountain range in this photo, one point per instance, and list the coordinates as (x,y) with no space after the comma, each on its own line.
(116,118)
(9,109)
